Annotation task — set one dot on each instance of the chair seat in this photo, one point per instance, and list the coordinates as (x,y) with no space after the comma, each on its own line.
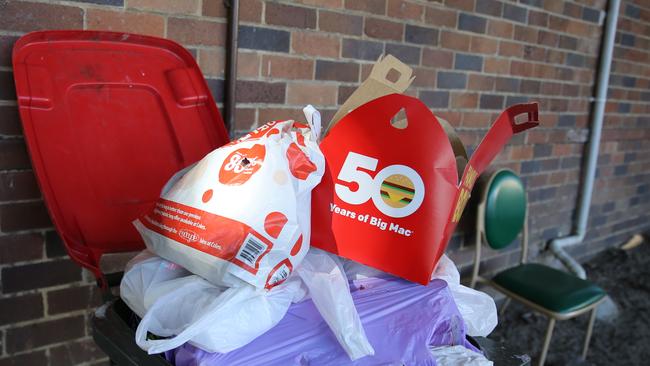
(548,287)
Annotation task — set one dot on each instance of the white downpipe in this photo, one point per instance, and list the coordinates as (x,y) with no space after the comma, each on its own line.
(589,174)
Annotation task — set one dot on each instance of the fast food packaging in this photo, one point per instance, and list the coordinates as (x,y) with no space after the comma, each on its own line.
(242,213)
(394,188)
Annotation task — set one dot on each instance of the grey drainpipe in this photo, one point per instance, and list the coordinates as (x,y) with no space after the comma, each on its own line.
(231,65)
(589,173)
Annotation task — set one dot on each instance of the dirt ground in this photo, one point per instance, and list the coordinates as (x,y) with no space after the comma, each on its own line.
(620,340)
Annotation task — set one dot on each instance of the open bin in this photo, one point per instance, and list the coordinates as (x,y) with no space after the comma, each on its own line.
(108,118)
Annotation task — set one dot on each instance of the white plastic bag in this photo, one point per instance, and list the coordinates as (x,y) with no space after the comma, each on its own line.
(477,308)
(186,308)
(458,355)
(328,286)
(148,277)
(243,213)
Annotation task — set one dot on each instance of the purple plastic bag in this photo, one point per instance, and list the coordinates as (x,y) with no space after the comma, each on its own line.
(401,319)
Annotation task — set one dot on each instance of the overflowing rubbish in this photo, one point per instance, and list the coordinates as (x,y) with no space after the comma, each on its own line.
(253,260)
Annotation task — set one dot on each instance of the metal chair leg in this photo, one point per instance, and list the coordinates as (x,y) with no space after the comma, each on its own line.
(547,341)
(590,327)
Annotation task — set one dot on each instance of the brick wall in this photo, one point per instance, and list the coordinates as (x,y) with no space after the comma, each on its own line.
(471,59)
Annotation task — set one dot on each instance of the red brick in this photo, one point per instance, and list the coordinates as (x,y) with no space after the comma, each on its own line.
(316,93)
(10,121)
(18,185)
(367,6)
(534,53)
(481,82)
(315,44)
(365,71)
(437,58)
(464,100)
(7,88)
(405,10)
(339,71)
(260,92)
(20,247)
(13,155)
(245,119)
(384,29)
(196,32)
(551,88)
(537,18)
(529,87)
(521,152)
(212,62)
(217,8)
(332,4)
(73,353)
(424,77)
(496,66)
(483,45)
(547,38)
(287,67)
(340,23)
(558,23)
(511,49)
(272,114)
(525,34)
(6,45)
(555,56)
(521,68)
(31,358)
(121,21)
(500,28)
(39,275)
(44,333)
(27,16)
(455,41)
(345,92)
(72,299)
(250,11)
(248,64)
(553,6)
(290,16)
(467,5)
(23,216)
(441,17)
(169,6)
(557,178)
(475,119)
(21,308)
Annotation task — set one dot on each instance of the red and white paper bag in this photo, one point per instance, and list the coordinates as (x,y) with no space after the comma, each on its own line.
(243,211)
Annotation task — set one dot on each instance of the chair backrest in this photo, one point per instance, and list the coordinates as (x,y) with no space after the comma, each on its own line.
(504,207)
(501,216)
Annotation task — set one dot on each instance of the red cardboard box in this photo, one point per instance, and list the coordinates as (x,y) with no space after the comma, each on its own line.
(394,189)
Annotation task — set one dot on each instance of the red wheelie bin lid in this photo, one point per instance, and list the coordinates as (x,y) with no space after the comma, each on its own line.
(108,118)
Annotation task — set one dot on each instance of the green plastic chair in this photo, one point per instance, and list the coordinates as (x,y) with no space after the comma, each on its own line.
(502,217)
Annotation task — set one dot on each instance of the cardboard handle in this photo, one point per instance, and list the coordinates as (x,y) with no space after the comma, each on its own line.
(531,109)
(502,130)
(384,65)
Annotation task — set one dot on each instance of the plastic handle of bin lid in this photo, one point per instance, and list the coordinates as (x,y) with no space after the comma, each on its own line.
(314,121)
(198,326)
